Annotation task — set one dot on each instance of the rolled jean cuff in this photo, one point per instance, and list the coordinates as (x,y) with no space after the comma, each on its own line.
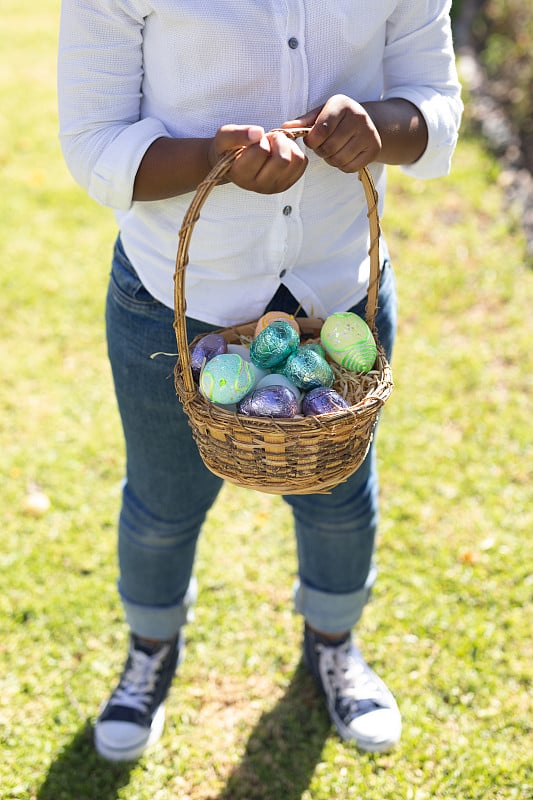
(160,622)
(333,613)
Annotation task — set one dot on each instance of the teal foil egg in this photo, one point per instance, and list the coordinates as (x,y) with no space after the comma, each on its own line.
(316,346)
(307,369)
(349,341)
(274,344)
(227,378)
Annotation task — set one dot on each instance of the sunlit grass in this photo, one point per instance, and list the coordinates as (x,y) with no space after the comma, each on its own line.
(449,626)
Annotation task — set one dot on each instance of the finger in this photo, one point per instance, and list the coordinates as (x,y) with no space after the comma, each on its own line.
(284,167)
(350,137)
(285,153)
(348,160)
(305,121)
(283,149)
(326,126)
(358,152)
(250,161)
(231,137)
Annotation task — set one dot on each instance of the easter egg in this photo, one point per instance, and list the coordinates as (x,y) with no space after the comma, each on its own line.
(307,369)
(269,401)
(240,349)
(275,379)
(272,316)
(244,352)
(316,346)
(274,344)
(322,400)
(349,341)
(206,348)
(226,378)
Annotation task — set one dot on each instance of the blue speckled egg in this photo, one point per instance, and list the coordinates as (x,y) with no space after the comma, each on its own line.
(274,344)
(244,351)
(270,401)
(226,379)
(307,369)
(322,400)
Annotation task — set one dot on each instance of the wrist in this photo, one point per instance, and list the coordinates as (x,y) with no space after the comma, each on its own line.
(171,167)
(401,127)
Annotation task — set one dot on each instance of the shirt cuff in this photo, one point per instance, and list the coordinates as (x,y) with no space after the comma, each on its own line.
(442,114)
(113,175)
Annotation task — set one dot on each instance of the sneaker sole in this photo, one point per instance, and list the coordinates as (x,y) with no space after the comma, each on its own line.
(347,734)
(133,752)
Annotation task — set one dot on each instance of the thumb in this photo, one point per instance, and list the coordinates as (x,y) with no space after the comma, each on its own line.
(233,137)
(306,120)
(229,137)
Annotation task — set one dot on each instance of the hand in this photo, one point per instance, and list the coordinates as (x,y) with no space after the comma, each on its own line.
(269,163)
(342,133)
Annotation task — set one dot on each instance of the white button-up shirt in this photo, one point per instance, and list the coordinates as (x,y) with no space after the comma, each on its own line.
(131,71)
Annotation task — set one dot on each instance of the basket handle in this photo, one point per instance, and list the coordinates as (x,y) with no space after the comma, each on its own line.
(192,215)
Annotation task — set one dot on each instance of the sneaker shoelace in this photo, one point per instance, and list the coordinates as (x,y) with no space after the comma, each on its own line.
(348,681)
(138,682)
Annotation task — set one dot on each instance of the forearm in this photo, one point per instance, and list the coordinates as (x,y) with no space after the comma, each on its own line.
(266,163)
(402,129)
(171,167)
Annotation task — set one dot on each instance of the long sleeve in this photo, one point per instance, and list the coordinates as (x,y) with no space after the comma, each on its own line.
(419,65)
(100,74)
(131,71)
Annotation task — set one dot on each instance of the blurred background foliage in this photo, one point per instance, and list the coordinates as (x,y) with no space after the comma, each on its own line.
(502,34)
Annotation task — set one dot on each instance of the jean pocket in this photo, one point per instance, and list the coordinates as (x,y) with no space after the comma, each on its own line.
(125,285)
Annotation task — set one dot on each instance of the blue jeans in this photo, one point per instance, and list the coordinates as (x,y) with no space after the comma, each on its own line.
(168,490)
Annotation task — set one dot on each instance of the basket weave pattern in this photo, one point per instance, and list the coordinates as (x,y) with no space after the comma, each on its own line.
(303,455)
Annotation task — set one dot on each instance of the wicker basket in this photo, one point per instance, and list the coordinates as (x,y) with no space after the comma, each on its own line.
(303,455)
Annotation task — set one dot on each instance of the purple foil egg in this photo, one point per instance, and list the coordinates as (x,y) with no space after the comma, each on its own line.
(322,400)
(270,401)
(206,348)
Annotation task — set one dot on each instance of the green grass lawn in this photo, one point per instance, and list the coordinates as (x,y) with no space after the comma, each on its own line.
(450,623)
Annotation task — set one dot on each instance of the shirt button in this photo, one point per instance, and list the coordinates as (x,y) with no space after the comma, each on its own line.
(282,273)
(293,42)
(287,211)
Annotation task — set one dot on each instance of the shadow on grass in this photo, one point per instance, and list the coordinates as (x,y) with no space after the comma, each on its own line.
(78,772)
(284,748)
(280,759)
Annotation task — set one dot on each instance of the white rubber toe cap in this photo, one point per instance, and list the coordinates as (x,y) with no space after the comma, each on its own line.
(125,741)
